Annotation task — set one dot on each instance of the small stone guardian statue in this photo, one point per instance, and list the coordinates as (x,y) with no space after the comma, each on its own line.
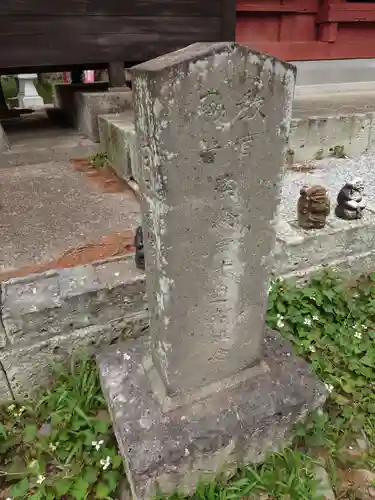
(313,207)
(139,250)
(350,202)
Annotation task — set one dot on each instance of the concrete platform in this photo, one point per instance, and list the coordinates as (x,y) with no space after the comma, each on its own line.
(322,122)
(344,244)
(321,77)
(34,138)
(49,209)
(297,252)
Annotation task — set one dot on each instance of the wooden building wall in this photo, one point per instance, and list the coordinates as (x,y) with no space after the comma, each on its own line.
(308,29)
(60,33)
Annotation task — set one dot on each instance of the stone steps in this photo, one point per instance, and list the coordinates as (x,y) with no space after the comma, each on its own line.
(117,139)
(298,253)
(323,123)
(45,316)
(322,126)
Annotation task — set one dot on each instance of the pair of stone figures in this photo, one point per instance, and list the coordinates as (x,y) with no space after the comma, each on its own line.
(314,205)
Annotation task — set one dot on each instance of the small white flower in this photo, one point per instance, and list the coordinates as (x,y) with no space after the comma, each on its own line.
(358,335)
(269,289)
(313,297)
(307,321)
(329,387)
(53,446)
(312,348)
(33,464)
(20,411)
(11,408)
(319,411)
(105,463)
(316,318)
(280,321)
(364,327)
(41,479)
(97,444)
(9,498)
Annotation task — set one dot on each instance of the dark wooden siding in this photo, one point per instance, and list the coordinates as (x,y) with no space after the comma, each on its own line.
(58,33)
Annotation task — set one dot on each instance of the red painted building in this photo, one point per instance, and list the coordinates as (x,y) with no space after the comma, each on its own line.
(308,29)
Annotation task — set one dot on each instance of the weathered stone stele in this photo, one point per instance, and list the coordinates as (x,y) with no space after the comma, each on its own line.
(213,387)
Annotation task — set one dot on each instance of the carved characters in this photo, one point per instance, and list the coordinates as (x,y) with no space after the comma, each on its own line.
(139,250)
(313,207)
(350,202)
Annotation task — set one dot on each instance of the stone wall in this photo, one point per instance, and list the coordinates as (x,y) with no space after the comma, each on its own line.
(48,317)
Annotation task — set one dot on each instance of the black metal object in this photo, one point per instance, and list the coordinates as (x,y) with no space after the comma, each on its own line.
(139,251)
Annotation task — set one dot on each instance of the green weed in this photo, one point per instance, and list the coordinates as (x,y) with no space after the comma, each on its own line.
(99,160)
(61,445)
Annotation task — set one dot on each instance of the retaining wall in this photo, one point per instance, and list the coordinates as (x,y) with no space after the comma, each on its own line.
(48,317)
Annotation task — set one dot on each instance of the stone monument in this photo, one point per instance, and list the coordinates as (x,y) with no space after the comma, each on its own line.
(213,387)
(28,96)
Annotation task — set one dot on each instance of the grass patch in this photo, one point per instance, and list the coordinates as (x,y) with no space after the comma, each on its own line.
(61,445)
(48,448)
(99,160)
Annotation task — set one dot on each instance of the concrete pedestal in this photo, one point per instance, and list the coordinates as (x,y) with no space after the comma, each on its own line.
(175,445)
(28,96)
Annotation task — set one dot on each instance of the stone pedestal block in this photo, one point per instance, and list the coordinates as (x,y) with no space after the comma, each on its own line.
(172,446)
(213,387)
(65,100)
(91,105)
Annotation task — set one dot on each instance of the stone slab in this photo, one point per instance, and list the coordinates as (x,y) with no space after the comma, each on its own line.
(238,423)
(118,140)
(29,367)
(34,138)
(64,96)
(91,105)
(59,301)
(49,209)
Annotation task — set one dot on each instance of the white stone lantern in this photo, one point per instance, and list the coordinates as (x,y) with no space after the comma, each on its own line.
(28,96)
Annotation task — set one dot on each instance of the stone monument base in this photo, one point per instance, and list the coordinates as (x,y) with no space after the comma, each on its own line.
(171,444)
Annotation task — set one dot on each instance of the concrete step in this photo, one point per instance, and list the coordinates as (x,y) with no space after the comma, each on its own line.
(322,126)
(117,139)
(298,253)
(342,244)
(331,124)
(34,138)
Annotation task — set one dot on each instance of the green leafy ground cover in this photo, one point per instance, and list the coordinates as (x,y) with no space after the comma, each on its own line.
(61,445)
